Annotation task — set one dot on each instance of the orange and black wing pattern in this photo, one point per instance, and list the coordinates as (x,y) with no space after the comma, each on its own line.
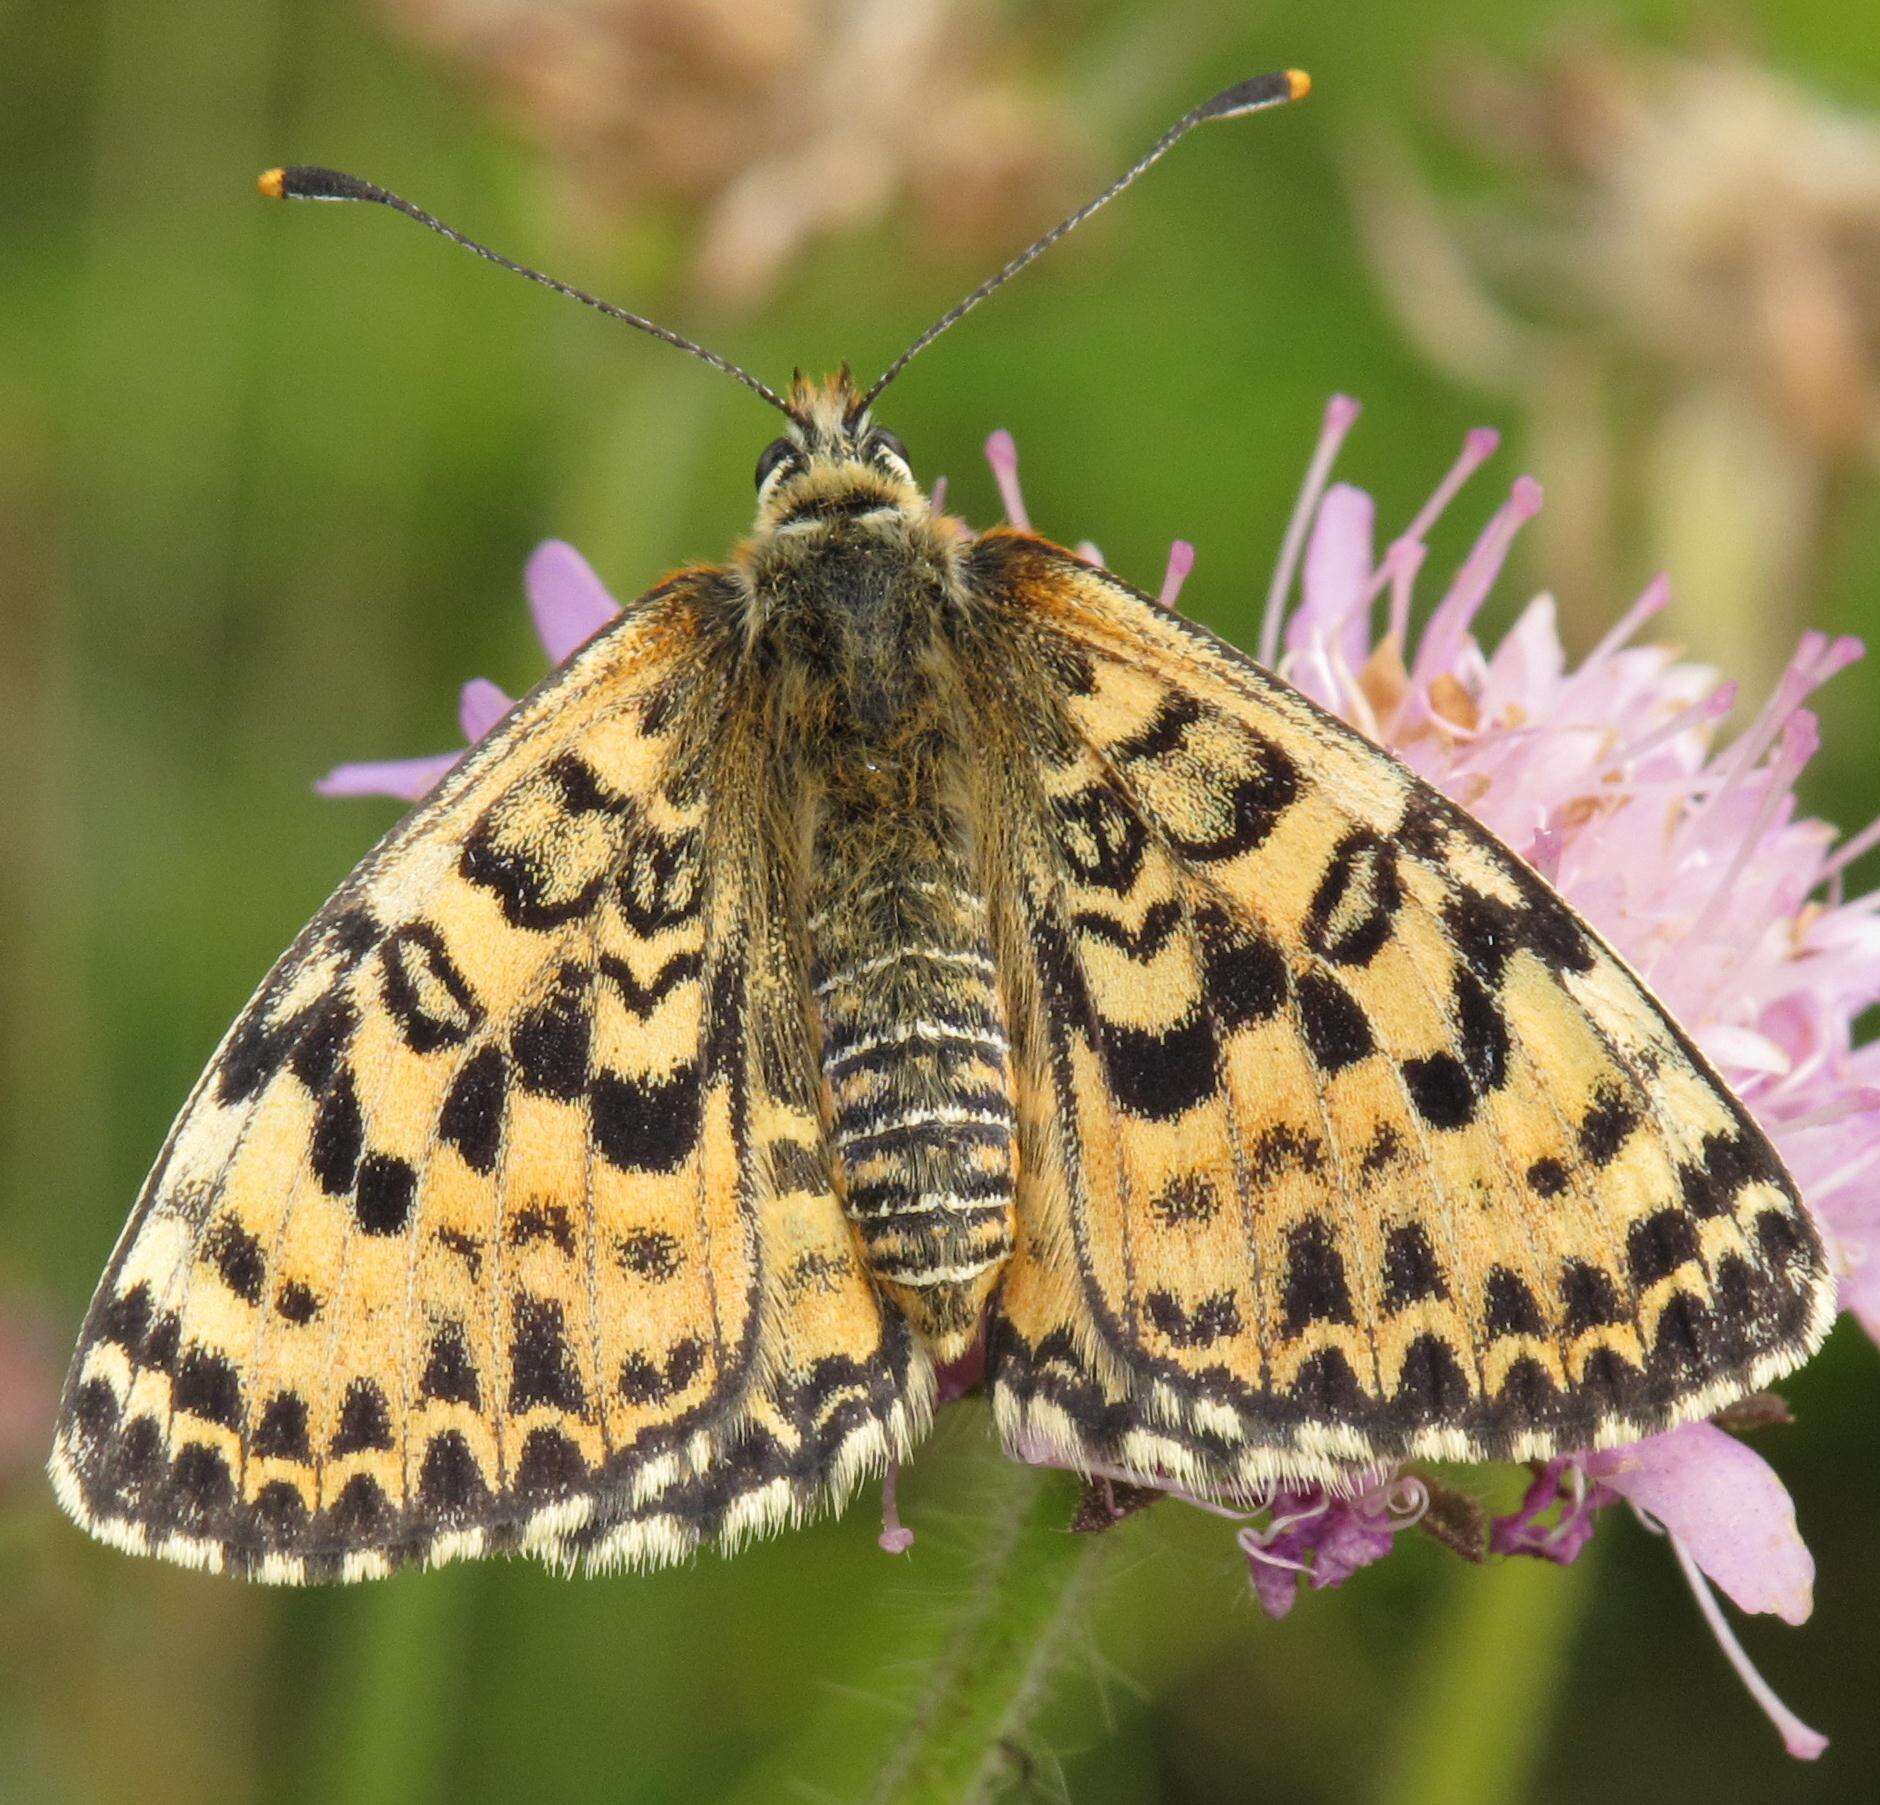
(1342,1139)
(503,1219)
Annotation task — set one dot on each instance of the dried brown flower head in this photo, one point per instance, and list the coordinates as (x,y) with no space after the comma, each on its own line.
(778,123)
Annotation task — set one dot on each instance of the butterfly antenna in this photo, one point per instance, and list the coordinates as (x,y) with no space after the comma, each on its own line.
(307,183)
(1244,97)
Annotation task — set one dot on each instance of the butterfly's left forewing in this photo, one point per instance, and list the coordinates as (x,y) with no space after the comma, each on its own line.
(503,1217)
(1342,1139)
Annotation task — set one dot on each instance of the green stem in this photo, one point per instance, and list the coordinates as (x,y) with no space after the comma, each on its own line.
(387,1730)
(985,1688)
(1475,1719)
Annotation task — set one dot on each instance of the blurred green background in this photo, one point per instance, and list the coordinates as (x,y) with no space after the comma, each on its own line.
(267,481)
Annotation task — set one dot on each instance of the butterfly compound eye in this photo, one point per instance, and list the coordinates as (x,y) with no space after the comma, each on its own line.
(779,454)
(885,448)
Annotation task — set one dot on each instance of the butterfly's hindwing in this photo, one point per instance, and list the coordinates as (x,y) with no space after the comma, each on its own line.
(503,1218)
(1343,1138)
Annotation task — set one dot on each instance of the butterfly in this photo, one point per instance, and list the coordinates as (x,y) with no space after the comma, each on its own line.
(890,942)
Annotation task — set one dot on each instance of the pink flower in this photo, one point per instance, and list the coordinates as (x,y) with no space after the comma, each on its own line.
(1723,1510)
(569,605)
(1317,1538)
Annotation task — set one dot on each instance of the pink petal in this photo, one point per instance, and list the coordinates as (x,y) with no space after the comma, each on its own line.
(1724,1503)
(1181,560)
(480,706)
(567,601)
(1002,455)
(1337,574)
(1341,414)
(405,778)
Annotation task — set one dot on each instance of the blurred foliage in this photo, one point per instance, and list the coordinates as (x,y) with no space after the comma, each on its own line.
(267,482)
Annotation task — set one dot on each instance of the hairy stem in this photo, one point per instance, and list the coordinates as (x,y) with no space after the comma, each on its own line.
(966,1735)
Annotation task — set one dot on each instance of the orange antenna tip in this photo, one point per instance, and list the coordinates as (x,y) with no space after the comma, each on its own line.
(1299,82)
(273,183)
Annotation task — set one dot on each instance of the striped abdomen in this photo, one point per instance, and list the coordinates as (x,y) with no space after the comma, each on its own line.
(914,1053)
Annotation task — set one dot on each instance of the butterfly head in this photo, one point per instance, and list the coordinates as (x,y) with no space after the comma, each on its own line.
(832,466)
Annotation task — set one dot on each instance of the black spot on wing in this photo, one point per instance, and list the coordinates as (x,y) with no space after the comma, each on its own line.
(1284,1148)
(1161,1074)
(1187,1197)
(1609,1120)
(1336,1029)
(382,1201)
(95,1410)
(1547,1177)
(450,1373)
(1350,915)
(1486,931)
(1327,1390)
(361,1515)
(425,992)
(1509,1307)
(162,1342)
(450,1482)
(1385,1148)
(1315,1290)
(1164,733)
(1588,1297)
(1730,1163)
(541,1365)
(237,1257)
(538,1221)
(1528,1396)
(1411,1270)
(325,1030)
(201,1485)
(280,1510)
(650,1253)
(644,1380)
(1431,1385)
(282,1430)
(125,1320)
(1198,1326)
(551,1465)
(641,999)
(1160,922)
(365,1420)
(1657,1246)
(1609,1376)
(1684,1350)
(296,1303)
(471,1119)
(1482,1031)
(338,1137)
(207,1386)
(646,1124)
(1243,973)
(1440,1089)
(549,1043)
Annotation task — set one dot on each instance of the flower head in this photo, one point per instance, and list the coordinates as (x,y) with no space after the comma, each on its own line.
(775,125)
